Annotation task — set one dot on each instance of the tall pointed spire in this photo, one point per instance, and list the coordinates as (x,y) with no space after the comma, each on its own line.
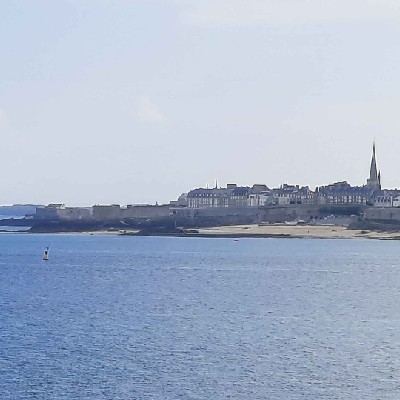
(373,172)
(374,178)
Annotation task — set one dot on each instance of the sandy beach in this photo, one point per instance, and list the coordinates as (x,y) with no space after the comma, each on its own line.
(273,230)
(298,231)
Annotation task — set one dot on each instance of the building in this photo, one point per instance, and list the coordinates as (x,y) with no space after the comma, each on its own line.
(338,193)
(292,194)
(342,193)
(396,201)
(231,196)
(203,198)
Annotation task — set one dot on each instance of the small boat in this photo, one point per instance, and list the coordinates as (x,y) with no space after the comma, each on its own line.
(46,254)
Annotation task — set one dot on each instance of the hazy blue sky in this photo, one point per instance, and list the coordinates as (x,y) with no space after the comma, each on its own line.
(124,101)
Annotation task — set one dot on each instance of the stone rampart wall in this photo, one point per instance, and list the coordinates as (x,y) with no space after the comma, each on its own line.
(383,213)
(146,211)
(74,213)
(106,213)
(306,212)
(210,212)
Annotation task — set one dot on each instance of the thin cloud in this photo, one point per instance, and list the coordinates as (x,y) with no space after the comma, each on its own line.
(148,111)
(278,12)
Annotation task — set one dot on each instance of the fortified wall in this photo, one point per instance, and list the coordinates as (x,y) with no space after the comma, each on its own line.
(210,212)
(146,211)
(63,213)
(116,212)
(306,212)
(270,214)
(219,215)
(106,212)
(383,213)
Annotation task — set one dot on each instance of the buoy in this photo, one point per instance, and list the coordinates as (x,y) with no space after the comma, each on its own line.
(46,254)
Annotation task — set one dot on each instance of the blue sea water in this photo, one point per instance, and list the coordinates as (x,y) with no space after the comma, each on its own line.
(111,317)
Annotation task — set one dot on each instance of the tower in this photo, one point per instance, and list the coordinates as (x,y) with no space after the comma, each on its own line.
(374,180)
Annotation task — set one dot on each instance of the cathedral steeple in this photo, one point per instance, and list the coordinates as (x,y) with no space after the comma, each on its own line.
(374,180)
(373,172)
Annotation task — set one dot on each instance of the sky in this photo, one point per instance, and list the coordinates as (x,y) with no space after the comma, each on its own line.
(133,101)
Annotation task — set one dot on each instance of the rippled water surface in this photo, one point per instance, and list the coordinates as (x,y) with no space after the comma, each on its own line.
(112,317)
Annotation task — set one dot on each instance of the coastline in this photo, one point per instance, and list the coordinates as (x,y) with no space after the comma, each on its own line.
(298,231)
(247,231)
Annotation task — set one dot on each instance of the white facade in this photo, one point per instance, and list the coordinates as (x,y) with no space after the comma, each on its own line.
(260,199)
(396,201)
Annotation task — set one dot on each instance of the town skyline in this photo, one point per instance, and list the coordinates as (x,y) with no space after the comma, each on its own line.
(371,188)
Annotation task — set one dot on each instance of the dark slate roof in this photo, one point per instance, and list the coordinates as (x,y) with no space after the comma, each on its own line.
(240,191)
(347,191)
(200,192)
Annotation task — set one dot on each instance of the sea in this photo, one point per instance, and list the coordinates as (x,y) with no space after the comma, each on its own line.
(120,317)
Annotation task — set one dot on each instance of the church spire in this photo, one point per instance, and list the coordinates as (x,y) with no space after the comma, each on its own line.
(374,178)
(373,172)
